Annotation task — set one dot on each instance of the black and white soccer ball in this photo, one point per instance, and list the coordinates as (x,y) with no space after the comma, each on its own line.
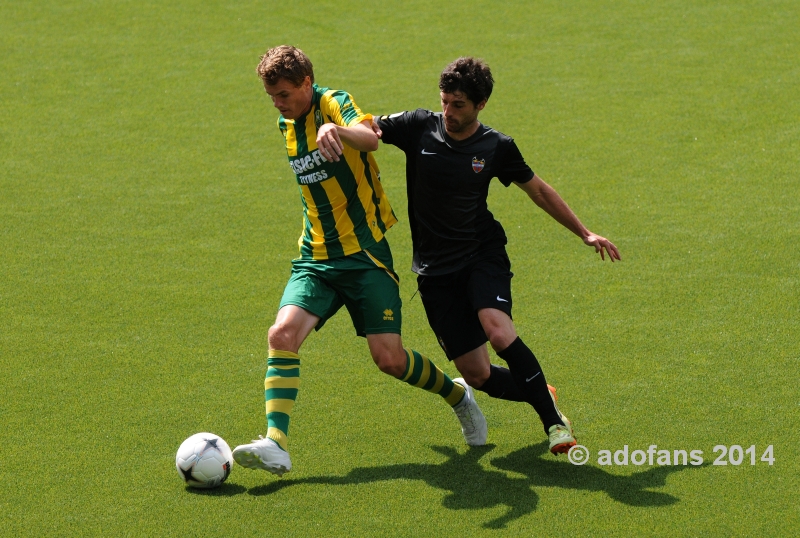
(204,460)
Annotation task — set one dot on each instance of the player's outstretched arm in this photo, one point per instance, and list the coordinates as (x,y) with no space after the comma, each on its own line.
(548,199)
(332,137)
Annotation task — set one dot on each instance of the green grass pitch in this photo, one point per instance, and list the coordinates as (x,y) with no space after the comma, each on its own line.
(148,217)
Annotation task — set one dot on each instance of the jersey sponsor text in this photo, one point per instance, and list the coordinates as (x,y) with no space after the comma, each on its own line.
(306,163)
(315,177)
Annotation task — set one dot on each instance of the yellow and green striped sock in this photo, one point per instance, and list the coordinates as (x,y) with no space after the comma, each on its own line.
(421,372)
(280,392)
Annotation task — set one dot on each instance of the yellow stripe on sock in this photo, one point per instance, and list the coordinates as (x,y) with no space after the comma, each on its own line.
(456,394)
(410,357)
(426,373)
(277,382)
(278,354)
(439,383)
(282,406)
(278,436)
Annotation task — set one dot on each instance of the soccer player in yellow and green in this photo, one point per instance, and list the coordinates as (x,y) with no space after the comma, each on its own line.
(344,258)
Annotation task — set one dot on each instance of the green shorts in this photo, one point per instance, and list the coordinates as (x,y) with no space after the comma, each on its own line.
(364,282)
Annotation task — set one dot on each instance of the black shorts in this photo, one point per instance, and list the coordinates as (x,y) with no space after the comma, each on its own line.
(452,301)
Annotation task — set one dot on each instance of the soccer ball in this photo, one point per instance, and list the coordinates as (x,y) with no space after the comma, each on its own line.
(204,460)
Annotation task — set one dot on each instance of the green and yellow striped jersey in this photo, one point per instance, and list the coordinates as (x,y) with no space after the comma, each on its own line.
(344,207)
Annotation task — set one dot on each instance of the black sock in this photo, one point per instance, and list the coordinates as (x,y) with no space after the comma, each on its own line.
(530,380)
(501,385)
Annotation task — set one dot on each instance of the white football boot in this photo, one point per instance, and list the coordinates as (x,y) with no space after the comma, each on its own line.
(263,453)
(473,423)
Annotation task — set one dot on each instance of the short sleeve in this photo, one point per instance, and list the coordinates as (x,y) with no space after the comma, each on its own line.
(398,129)
(511,166)
(340,107)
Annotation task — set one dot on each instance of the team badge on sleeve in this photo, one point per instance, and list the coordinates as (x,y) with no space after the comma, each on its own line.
(477,165)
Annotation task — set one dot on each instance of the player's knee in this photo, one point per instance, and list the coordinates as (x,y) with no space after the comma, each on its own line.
(475,373)
(281,336)
(500,337)
(390,362)
(475,379)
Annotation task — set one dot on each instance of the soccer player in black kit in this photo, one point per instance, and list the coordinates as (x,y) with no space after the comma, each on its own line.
(464,273)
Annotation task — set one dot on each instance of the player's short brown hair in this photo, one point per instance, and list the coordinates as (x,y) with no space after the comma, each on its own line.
(470,76)
(285,62)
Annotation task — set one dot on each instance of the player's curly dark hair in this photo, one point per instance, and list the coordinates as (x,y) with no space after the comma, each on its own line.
(470,76)
(286,62)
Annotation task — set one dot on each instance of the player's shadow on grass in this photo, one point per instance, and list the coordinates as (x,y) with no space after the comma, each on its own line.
(470,486)
(633,489)
(224,490)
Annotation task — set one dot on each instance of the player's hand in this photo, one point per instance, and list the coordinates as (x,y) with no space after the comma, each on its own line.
(328,141)
(376,128)
(602,244)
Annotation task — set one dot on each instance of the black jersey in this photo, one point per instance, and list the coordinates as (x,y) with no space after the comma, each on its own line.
(448,183)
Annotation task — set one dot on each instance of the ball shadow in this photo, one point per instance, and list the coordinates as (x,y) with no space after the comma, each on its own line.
(224,490)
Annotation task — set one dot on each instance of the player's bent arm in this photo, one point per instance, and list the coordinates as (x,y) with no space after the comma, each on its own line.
(360,136)
(546,197)
(331,137)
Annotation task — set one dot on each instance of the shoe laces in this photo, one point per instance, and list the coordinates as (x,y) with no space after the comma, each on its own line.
(465,416)
(560,431)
